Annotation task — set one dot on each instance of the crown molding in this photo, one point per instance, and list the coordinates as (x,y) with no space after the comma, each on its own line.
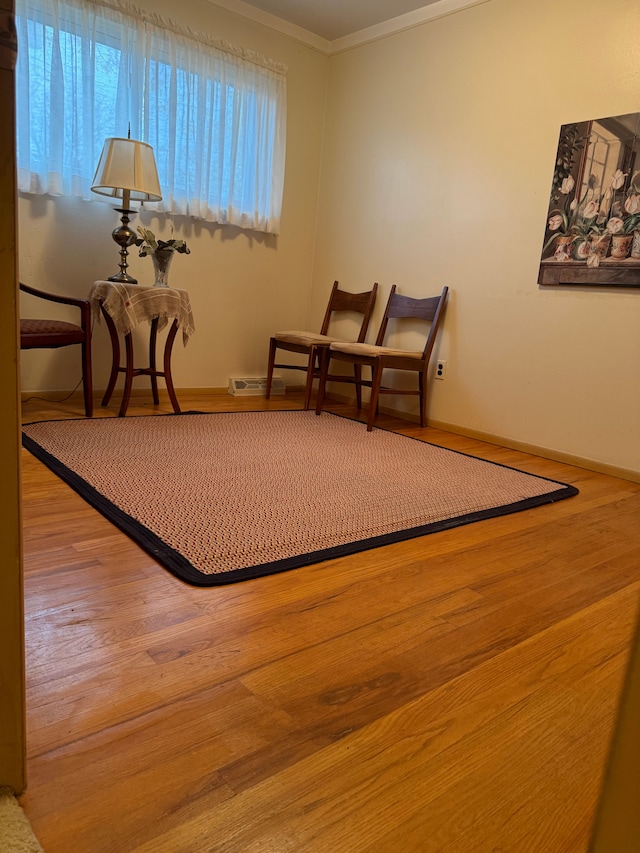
(439,9)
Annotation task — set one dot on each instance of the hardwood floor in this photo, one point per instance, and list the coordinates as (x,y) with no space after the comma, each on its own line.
(451,693)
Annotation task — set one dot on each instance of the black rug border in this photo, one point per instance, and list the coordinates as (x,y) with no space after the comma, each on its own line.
(181,568)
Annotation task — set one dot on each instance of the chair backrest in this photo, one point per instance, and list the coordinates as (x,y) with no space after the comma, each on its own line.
(360,303)
(52,333)
(430,309)
(83,304)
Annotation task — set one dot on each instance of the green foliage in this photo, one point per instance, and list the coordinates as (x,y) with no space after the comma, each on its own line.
(149,244)
(569,145)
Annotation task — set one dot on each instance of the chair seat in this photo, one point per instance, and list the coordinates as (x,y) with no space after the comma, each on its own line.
(372,351)
(49,333)
(304,338)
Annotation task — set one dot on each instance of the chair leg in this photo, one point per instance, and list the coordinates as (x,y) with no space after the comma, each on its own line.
(273,344)
(325,358)
(87,379)
(422,384)
(376,381)
(314,353)
(357,372)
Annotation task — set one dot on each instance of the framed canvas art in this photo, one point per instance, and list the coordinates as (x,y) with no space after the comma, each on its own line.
(592,234)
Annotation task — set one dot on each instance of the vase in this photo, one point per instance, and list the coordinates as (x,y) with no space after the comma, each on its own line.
(581,250)
(599,244)
(563,247)
(621,246)
(161,262)
(635,246)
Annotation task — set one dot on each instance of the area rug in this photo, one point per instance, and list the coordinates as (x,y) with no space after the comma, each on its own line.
(218,498)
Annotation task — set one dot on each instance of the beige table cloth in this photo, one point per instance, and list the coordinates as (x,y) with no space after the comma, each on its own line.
(130,304)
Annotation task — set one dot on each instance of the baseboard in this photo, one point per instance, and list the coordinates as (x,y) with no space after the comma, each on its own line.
(98,394)
(537,450)
(512,444)
(141,391)
(78,397)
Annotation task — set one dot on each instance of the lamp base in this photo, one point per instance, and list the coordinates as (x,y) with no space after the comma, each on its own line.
(123,278)
(124,237)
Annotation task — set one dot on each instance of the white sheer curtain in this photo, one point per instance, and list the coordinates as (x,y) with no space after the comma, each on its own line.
(215,115)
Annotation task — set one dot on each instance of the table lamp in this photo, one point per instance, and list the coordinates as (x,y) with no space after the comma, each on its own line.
(127,170)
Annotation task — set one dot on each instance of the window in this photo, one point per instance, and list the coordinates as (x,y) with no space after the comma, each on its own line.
(214,115)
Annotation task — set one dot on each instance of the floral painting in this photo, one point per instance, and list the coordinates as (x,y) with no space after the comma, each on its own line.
(592,234)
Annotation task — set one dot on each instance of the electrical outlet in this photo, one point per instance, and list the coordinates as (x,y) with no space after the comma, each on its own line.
(441,368)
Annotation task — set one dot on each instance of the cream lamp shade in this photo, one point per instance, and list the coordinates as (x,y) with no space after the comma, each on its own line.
(126,170)
(127,167)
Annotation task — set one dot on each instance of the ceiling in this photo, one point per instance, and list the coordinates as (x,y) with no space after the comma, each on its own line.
(334,19)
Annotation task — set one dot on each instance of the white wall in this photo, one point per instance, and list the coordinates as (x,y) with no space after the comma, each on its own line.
(439,153)
(242,284)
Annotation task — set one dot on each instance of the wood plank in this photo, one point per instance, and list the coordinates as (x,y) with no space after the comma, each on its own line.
(424,777)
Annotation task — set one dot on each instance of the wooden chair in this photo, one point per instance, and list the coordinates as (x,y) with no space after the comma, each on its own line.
(51,334)
(312,344)
(380,358)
